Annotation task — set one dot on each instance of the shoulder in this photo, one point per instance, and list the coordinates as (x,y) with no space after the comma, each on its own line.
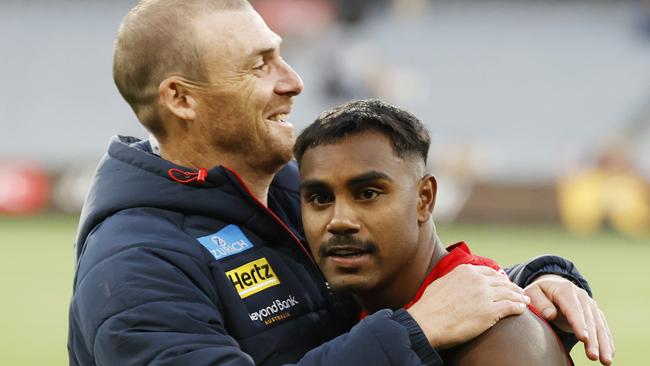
(138,257)
(288,178)
(139,235)
(517,340)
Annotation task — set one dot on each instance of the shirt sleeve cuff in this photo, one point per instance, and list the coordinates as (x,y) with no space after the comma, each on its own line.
(526,273)
(419,342)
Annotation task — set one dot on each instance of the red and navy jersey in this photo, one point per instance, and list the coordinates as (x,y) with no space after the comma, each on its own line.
(460,253)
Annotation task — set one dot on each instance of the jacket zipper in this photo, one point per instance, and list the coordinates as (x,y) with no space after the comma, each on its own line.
(332,300)
(273,216)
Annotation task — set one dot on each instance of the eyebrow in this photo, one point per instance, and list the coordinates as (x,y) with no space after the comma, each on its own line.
(313,184)
(368,177)
(361,179)
(266,50)
(263,51)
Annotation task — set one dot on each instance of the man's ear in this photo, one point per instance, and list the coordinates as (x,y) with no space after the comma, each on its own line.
(427,190)
(178,98)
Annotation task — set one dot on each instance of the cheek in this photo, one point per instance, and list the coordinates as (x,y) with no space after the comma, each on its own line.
(257,91)
(313,226)
(395,226)
(238,92)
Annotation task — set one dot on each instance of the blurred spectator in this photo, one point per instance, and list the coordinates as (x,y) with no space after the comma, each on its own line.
(612,193)
(352,13)
(72,186)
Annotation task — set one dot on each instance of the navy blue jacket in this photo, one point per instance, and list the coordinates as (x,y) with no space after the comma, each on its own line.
(201,273)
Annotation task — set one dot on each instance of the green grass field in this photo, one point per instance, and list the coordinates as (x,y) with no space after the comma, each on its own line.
(36,269)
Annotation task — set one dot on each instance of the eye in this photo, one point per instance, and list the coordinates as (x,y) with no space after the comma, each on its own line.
(320,198)
(262,66)
(369,194)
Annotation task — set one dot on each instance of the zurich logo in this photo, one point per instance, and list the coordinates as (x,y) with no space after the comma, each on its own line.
(226,242)
(217,240)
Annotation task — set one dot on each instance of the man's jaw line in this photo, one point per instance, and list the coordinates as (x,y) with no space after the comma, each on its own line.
(348,259)
(373,299)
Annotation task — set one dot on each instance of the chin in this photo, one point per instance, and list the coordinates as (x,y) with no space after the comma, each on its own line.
(285,154)
(281,150)
(273,160)
(346,284)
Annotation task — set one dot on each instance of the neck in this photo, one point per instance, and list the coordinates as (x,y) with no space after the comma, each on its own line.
(257,183)
(197,155)
(407,283)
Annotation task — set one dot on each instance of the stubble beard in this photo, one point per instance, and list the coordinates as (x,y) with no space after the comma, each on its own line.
(257,147)
(271,155)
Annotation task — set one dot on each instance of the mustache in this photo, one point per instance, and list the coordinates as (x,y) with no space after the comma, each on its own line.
(347,242)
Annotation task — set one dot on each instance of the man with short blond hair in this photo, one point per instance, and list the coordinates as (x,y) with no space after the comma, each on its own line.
(154,43)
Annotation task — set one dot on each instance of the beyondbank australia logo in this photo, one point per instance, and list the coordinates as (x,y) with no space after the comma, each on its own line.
(278,310)
(226,242)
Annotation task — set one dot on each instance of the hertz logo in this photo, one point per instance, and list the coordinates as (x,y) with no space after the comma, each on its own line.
(253,277)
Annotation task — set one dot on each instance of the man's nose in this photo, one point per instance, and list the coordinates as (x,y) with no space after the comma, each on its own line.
(289,84)
(343,221)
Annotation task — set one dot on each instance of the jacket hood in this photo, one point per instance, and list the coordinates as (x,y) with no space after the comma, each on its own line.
(130,175)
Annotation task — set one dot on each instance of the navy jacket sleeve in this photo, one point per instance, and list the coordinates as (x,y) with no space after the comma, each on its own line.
(524,274)
(383,338)
(140,308)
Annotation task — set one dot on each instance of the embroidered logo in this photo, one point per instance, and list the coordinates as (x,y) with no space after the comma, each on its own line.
(278,310)
(253,277)
(226,242)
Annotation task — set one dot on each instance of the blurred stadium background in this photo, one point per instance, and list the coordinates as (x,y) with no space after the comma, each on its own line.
(540,114)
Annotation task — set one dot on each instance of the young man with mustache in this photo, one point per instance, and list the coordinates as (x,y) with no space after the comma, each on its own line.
(367,206)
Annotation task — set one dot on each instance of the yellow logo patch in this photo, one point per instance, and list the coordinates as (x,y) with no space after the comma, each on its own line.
(253,277)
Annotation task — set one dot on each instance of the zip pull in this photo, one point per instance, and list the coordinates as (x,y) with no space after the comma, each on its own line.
(185,177)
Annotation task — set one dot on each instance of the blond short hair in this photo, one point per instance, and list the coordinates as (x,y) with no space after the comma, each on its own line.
(156,40)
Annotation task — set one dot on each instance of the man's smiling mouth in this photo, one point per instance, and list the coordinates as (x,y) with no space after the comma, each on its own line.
(279,117)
